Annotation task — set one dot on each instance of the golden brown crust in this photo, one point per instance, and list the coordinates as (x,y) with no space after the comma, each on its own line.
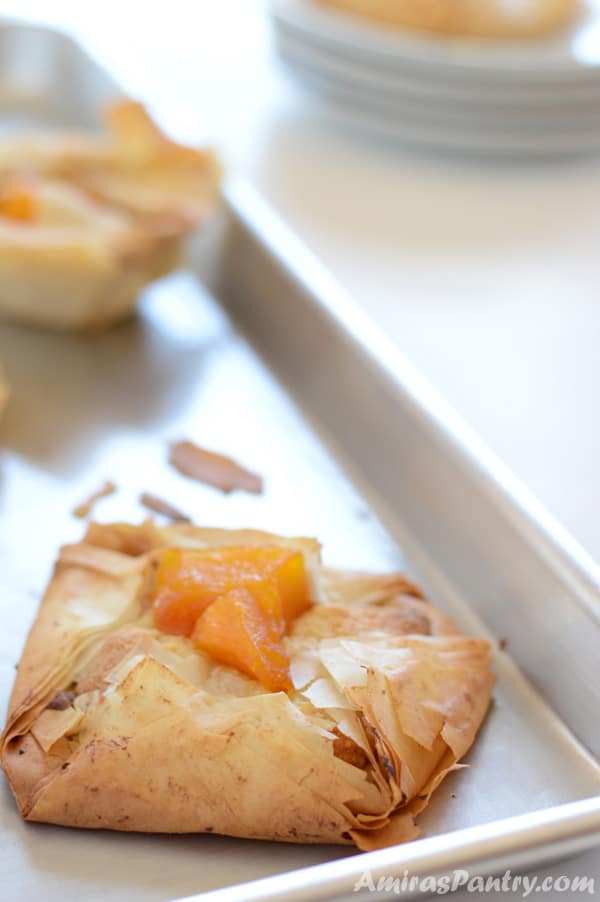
(388,695)
(91,592)
(399,615)
(472,18)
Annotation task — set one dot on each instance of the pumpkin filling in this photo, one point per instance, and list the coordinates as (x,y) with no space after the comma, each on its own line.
(236,604)
(19,204)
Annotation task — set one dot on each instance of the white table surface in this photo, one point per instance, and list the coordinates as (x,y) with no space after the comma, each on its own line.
(486,276)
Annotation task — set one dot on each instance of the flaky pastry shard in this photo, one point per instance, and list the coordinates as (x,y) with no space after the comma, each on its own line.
(470,18)
(113,724)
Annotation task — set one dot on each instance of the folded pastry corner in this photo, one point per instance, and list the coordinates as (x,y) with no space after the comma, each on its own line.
(182,679)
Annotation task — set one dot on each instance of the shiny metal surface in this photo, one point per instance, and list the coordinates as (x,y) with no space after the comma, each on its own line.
(361,439)
(515,842)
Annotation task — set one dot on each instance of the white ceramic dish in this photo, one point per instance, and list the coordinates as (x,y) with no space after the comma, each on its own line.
(431,101)
(469,109)
(431,85)
(571,56)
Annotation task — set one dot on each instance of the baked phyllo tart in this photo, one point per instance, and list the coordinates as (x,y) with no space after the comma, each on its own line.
(109,214)
(183,679)
(133,166)
(67,262)
(168,185)
(472,18)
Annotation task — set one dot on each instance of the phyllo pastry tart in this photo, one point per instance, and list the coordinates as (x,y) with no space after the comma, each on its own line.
(67,262)
(130,186)
(184,679)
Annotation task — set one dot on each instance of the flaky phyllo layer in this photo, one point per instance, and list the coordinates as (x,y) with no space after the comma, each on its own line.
(116,724)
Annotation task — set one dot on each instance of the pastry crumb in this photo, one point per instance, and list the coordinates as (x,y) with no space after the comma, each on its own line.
(211,468)
(159,506)
(86,507)
(61,701)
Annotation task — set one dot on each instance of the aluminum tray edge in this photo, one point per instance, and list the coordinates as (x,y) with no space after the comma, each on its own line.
(520,842)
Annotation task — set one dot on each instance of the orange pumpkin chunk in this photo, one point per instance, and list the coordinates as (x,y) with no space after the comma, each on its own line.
(18,204)
(189,580)
(237,631)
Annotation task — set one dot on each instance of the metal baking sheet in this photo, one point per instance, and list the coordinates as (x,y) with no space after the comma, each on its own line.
(354,449)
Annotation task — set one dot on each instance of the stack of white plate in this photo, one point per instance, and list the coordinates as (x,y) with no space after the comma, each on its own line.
(538,97)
